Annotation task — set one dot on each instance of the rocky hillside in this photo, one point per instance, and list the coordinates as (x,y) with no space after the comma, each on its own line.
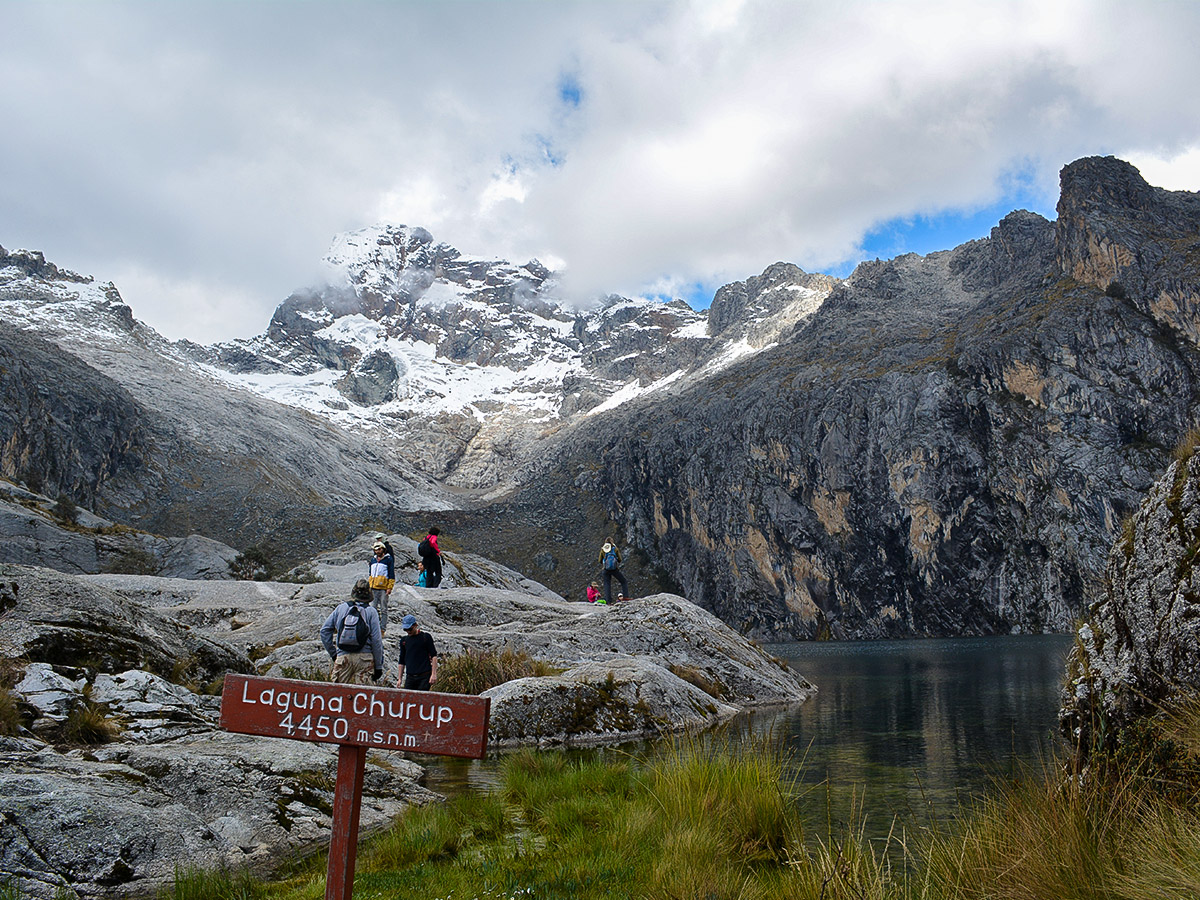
(105,411)
(947,446)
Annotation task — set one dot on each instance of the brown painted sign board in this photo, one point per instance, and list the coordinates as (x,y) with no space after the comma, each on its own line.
(356,715)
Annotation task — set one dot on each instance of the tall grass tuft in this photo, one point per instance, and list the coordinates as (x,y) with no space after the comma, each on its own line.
(220,884)
(1187,445)
(739,789)
(88,723)
(474,671)
(1038,837)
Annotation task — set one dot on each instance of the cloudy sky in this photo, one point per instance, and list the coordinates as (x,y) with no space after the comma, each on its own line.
(202,155)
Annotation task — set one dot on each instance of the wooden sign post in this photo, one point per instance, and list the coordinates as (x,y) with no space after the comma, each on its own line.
(354,716)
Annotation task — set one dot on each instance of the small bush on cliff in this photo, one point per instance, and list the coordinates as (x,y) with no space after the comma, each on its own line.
(252,564)
(10,715)
(65,510)
(133,561)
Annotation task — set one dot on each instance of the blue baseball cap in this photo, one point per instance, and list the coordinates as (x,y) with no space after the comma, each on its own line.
(408,622)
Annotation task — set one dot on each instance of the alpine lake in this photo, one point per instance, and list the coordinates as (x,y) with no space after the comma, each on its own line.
(900,732)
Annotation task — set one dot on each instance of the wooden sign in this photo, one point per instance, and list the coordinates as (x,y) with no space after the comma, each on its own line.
(356,714)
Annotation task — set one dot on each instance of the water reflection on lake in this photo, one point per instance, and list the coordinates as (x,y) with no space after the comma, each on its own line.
(905,727)
(916,726)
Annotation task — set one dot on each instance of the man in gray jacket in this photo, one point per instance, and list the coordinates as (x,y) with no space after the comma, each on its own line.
(353,640)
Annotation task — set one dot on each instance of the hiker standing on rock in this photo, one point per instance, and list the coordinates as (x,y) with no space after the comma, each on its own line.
(353,640)
(431,555)
(381,575)
(610,561)
(418,657)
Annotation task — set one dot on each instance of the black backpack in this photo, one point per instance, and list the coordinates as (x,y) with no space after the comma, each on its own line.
(425,548)
(354,633)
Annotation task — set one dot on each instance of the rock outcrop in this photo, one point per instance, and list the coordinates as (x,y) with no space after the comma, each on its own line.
(1139,646)
(38,531)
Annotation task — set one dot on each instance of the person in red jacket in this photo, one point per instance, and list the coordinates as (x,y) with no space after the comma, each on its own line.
(431,555)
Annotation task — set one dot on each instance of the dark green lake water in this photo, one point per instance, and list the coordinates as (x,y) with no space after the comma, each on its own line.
(918,727)
(913,728)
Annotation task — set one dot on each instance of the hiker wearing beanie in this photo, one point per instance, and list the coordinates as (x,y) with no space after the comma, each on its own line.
(352,638)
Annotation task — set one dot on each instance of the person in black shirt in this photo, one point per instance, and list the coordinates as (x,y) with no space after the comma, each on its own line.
(418,657)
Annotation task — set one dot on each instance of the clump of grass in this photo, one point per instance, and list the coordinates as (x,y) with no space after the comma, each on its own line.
(262,651)
(191,883)
(739,790)
(1186,448)
(1033,838)
(697,678)
(10,715)
(474,671)
(89,723)
(309,673)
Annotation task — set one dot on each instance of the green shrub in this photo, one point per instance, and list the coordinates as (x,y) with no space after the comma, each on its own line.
(133,561)
(65,510)
(10,714)
(252,564)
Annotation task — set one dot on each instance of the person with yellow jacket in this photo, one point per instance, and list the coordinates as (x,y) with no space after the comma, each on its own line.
(381,575)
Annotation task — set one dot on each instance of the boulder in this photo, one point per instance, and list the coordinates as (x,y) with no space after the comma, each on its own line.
(68,621)
(52,695)
(120,819)
(598,702)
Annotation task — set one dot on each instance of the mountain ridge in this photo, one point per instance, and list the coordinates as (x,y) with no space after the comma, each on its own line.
(937,444)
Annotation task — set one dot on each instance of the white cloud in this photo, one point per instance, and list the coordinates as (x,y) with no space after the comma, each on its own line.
(211,150)
(202,311)
(1175,172)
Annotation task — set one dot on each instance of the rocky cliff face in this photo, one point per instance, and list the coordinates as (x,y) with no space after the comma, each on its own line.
(949,444)
(1138,647)
(66,428)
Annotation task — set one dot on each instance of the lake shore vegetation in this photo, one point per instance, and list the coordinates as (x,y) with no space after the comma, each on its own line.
(712,821)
